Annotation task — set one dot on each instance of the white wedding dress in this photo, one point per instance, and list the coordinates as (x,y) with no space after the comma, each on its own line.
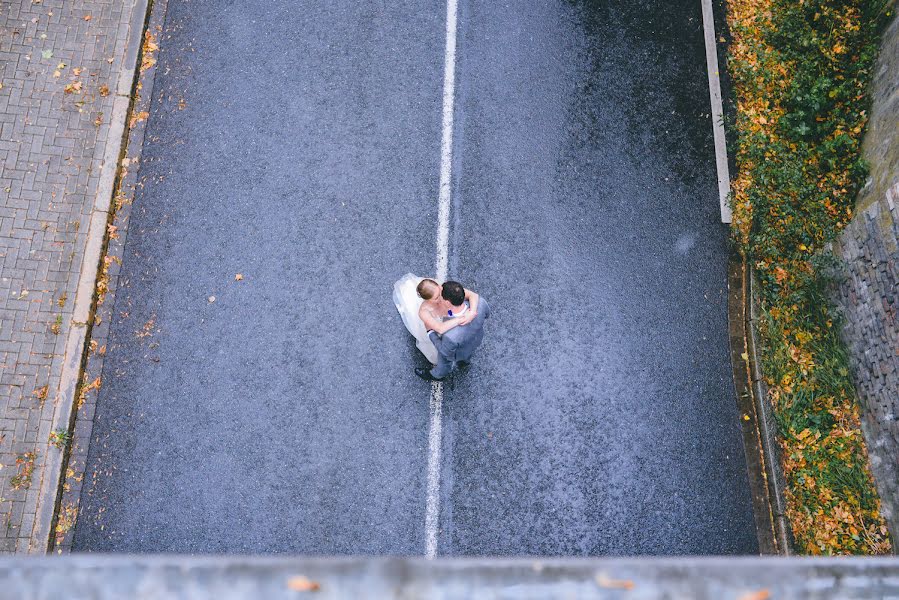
(407,302)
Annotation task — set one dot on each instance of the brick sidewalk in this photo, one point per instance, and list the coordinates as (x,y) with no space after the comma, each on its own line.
(66,70)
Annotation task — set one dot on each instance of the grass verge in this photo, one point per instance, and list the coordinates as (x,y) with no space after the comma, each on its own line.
(801,71)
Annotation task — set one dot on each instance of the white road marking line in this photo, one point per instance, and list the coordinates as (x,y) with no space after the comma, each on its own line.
(435,430)
(446,145)
(435,434)
(711,60)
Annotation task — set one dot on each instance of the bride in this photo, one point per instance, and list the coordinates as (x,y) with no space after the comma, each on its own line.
(422,309)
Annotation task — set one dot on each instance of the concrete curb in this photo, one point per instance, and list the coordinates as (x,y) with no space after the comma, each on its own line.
(78,331)
(762,506)
(711,59)
(766,422)
(766,480)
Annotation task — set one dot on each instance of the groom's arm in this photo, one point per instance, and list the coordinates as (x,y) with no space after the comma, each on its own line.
(445,346)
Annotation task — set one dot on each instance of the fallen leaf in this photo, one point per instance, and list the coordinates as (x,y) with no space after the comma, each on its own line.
(104,90)
(302,584)
(756,595)
(77,71)
(61,66)
(88,17)
(47,53)
(73,87)
(99,120)
(744,356)
(620,584)
(138,117)
(57,73)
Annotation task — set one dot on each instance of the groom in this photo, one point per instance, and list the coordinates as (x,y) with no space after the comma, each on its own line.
(456,346)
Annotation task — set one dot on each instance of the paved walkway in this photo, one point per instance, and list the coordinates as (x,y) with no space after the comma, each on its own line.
(65,69)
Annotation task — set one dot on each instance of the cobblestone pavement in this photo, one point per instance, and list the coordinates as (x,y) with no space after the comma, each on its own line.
(61,64)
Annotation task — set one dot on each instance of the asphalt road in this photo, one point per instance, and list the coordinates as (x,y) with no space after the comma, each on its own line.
(599,416)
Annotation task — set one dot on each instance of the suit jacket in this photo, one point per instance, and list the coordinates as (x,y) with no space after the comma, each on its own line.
(459,343)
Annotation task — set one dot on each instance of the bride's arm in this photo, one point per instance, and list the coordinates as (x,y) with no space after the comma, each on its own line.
(472,300)
(432,324)
(472,312)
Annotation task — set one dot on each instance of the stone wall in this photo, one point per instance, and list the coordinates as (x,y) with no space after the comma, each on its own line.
(868,295)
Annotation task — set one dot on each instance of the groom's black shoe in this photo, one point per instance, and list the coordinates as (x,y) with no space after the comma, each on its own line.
(426,375)
(463,364)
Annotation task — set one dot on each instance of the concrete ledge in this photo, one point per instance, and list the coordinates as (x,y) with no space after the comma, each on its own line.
(106,577)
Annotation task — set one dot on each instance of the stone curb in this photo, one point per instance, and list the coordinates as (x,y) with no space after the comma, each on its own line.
(766,482)
(766,422)
(742,373)
(78,332)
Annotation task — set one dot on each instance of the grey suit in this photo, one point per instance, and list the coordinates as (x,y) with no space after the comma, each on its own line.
(459,343)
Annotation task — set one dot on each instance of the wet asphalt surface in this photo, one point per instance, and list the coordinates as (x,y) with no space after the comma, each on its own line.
(599,416)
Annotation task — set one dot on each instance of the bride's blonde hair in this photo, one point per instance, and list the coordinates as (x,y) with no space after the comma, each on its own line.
(427,289)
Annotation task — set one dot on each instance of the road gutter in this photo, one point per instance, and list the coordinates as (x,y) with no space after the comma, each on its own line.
(77,359)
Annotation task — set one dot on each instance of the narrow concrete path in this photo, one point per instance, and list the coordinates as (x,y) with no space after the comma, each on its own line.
(283,416)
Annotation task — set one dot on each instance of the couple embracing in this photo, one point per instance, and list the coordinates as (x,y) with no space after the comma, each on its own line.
(446,320)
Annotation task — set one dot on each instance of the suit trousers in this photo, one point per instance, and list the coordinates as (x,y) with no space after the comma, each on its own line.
(443,367)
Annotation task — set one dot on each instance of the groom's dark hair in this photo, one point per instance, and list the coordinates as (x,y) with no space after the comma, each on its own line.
(454,293)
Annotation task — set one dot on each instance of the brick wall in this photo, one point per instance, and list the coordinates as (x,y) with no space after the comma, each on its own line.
(868,294)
